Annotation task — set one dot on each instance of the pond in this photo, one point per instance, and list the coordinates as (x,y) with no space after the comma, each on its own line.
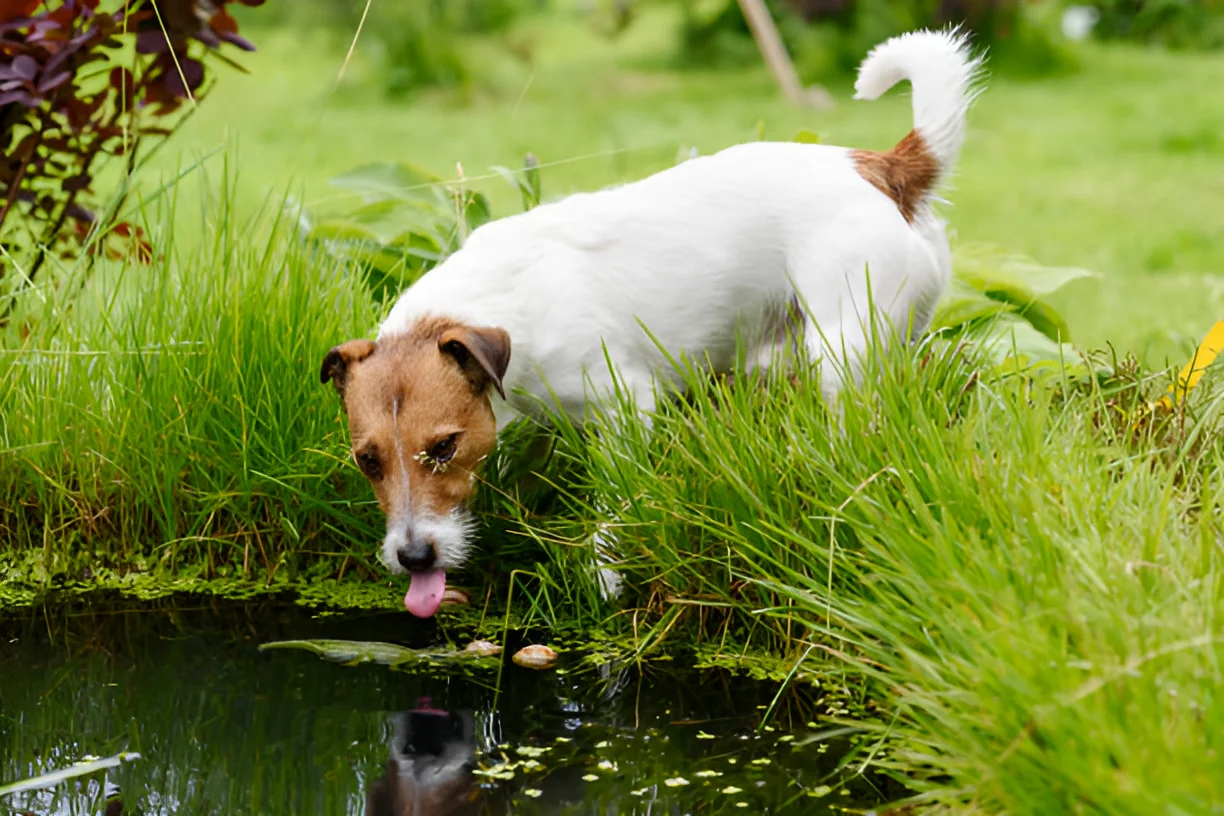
(222,727)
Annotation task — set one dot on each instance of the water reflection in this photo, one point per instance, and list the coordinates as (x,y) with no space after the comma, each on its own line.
(432,754)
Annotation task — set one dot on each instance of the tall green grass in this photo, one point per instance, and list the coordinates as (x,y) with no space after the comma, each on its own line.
(1026,572)
(171,414)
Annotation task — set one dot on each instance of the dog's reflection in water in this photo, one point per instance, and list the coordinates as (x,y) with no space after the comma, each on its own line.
(429,766)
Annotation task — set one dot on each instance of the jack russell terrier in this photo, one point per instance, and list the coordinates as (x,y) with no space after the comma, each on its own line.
(683,263)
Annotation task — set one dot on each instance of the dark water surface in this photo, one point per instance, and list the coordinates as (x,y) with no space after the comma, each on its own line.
(223,728)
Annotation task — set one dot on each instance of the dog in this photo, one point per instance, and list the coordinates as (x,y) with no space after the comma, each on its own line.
(430,759)
(598,290)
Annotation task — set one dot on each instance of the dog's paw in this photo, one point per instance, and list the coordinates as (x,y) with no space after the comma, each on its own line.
(610,582)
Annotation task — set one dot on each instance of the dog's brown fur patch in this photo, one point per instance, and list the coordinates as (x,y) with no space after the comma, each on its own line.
(406,397)
(906,173)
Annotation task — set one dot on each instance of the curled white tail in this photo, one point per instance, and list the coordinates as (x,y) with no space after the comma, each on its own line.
(945,78)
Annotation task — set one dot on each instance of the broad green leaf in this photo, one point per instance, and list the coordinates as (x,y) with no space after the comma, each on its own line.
(342,231)
(1045,318)
(525,181)
(1018,281)
(393,179)
(511,177)
(985,266)
(963,305)
(476,210)
(417,245)
(1015,347)
(806,137)
(377,212)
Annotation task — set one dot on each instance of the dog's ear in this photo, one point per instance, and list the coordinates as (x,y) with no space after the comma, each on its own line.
(336,363)
(482,353)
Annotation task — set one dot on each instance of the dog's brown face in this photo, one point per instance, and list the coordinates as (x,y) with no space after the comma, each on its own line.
(420,423)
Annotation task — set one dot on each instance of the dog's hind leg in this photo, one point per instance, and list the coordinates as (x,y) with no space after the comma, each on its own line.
(851,302)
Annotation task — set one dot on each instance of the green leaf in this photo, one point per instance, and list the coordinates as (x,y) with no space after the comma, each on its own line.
(986,266)
(1045,318)
(417,245)
(525,181)
(388,179)
(963,305)
(806,137)
(511,177)
(476,210)
(1019,282)
(376,212)
(1013,346)
(534,188)
(339,230)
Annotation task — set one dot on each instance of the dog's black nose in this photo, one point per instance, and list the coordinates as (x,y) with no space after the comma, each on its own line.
(416,556)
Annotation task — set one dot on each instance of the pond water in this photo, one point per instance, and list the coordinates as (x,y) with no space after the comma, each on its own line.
(224,728)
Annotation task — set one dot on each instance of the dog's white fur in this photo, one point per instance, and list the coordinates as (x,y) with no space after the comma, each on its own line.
(714,246)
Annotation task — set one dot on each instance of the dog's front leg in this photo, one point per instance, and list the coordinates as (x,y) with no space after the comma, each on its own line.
(606,543)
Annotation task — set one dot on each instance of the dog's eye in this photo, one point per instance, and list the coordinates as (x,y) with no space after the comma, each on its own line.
(369,464)
(444,451)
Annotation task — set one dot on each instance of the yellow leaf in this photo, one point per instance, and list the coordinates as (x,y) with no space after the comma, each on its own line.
(1207,351)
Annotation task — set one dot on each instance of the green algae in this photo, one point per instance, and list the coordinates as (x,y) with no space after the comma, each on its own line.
(26,581)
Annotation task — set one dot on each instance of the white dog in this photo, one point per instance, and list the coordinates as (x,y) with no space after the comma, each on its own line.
(688,260)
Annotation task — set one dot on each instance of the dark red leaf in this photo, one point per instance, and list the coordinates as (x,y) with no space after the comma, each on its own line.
(24,66)
(74,184)
(14,9)
(223,23)
(64,16)
(189,70)
(20,97)
(121,80)
(241,42)
(53,82)
(152,41)
(79,213)
(206,36)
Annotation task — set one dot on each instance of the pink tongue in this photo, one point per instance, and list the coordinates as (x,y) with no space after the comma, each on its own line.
(425,592)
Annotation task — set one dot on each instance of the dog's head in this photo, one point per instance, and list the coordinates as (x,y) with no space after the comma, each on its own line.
(420,422)
(428,772)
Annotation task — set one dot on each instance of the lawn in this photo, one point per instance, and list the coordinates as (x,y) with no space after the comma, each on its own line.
(1021,576)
